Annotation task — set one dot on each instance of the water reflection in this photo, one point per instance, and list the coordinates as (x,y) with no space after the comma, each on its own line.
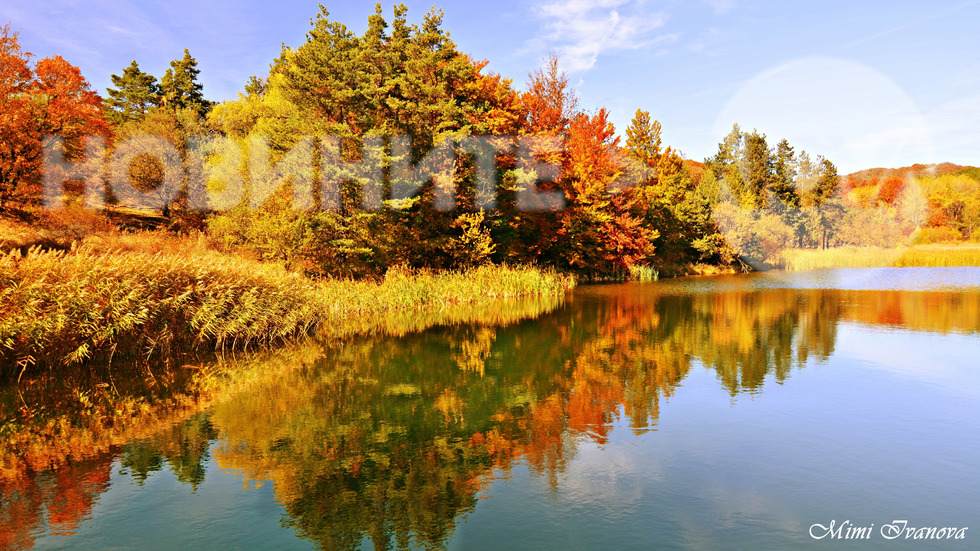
(63,497)
(54,427)
(392,439)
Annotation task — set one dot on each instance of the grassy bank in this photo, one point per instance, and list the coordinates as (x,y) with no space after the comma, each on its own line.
(876,257)
(59,308)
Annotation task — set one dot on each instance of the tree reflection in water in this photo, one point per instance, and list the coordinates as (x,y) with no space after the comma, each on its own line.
(393,438)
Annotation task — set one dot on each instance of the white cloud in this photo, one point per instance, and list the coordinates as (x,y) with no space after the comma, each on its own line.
(580,30)
(102,37)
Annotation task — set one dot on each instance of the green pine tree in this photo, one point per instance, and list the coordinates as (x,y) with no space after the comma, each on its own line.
(784,184)
(179,86)
(758,169)
(643,138)
(134,93)
(827,182)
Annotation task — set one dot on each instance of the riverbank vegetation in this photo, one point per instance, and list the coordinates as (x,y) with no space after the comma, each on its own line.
(967,254)
(63,308)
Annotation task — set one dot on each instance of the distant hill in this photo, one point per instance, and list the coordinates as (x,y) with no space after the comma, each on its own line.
(884,184)
(872,176)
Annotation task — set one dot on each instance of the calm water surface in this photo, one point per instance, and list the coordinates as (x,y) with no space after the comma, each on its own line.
(709,413)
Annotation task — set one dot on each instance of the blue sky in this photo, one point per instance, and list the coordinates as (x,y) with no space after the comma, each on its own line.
(863,83)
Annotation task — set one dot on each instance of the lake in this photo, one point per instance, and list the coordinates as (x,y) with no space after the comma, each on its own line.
(764,411)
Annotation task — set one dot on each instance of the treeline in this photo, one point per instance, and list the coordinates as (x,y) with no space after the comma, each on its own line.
(770,198)
(918,204)
(405,151)
(403,79)
(397,80)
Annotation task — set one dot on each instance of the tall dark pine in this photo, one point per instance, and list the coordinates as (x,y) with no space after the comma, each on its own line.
(134,93)
(759,170)
(180,88)
(828,182)
(784,184)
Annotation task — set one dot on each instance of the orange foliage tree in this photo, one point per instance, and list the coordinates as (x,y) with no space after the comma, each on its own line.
(51,98)
(598,232)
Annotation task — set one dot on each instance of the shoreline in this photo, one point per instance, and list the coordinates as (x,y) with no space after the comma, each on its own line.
(925,256)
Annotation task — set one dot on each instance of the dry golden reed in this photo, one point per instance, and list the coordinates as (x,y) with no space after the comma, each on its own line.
(59,308)
(877,257)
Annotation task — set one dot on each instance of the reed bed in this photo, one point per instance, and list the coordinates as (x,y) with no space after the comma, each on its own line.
(877,257)
(939,256)
(59,308)
(643,273)
(840,257)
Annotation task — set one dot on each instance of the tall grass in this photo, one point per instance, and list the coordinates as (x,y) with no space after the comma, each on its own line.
(61,308)
(643,273)
(939,256)
(877,257)
(840,257)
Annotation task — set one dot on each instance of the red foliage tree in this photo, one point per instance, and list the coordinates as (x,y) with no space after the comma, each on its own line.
(889,189)
(52,98)
(549,101)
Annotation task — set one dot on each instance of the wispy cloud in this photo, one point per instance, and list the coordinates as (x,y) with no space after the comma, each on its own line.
(101,37)
(581,30)
(88,35)
(721,7)
(904,26)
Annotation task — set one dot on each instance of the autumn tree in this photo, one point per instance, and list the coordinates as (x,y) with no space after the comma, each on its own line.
(550,101)
(643,139)
(49,99)
(161,172)
(597,233)
(385,99)
(673,197)
(255,86)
